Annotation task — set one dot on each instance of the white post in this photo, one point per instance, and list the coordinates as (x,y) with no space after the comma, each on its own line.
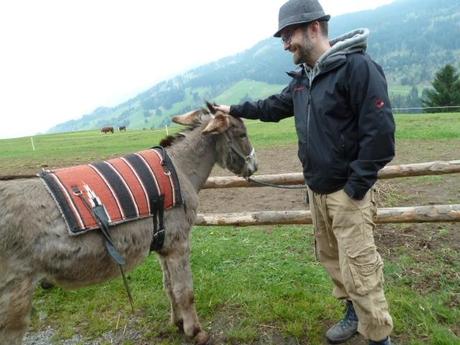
(166,127)
(32,141)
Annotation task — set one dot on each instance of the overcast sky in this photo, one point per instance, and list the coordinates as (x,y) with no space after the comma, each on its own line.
(61,59)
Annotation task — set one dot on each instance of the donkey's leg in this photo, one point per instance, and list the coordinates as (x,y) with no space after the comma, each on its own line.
(180,290)
(15,304)
(176,317)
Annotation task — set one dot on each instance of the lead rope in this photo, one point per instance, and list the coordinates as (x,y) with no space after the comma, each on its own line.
(267,184)
(246,158)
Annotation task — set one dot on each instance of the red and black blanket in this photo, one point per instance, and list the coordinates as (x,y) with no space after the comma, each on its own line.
(128,188)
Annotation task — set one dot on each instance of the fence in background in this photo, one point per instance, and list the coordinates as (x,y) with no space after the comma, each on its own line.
(415,214)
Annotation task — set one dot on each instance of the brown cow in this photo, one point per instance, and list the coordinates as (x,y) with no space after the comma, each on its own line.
(107,129)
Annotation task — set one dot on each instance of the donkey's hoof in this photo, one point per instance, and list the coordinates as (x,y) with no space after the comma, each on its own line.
(179,324)
(202,338)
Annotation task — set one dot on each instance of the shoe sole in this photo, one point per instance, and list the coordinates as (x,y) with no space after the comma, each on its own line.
(341,341)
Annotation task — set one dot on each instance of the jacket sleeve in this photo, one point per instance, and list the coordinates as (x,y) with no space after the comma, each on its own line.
(271,109)
(370,102)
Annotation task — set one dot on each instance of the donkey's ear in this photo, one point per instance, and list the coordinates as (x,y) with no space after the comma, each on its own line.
(218,124)
(188,119)
(211,107)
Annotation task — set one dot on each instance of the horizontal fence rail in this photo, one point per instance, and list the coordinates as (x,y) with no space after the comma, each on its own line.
(391,171)
(415,214)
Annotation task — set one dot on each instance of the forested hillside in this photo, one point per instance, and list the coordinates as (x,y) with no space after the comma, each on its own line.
(411,39)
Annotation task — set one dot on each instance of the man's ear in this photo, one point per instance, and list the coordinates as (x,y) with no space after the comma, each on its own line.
(218,124)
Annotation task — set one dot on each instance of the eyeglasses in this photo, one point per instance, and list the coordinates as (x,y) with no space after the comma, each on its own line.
(287,34)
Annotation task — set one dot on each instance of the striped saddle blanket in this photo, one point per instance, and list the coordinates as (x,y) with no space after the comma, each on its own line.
(129,188)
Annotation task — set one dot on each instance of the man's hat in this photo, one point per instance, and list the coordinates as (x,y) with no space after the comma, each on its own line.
(298,12)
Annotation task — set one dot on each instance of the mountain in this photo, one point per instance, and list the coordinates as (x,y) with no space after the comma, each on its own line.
(411,39)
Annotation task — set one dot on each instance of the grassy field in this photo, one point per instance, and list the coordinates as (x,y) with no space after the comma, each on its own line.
(17,155)
(258,285)
(257,90)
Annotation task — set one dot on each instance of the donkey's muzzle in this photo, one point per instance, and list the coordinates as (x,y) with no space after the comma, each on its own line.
(250,166)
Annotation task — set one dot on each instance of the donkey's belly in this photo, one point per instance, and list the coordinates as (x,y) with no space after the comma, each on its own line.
(75,261)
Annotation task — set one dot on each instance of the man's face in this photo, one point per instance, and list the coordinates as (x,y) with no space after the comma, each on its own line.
(297,41)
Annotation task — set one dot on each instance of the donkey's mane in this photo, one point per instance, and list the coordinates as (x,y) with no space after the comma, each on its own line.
(170,140)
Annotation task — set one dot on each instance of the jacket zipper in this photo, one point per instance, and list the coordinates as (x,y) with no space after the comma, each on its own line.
(308,120)
(310,82)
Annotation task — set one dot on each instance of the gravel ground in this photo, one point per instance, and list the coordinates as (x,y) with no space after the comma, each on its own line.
(45,338)
(116,338)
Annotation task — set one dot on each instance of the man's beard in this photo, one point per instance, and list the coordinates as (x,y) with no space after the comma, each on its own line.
(303,53)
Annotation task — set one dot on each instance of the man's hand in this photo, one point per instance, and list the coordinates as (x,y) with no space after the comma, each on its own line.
(223,108)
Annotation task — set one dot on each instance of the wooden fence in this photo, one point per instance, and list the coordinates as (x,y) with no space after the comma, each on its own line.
(416,214)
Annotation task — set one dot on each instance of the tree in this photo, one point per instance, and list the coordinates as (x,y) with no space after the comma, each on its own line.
(413,99)
(445,92)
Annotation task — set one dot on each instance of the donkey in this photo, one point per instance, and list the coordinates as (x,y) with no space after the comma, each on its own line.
(35,245)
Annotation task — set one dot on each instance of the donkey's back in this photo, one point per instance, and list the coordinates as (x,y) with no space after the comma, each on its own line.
(36,242)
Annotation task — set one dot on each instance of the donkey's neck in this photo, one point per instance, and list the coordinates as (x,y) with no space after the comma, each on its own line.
(195,156)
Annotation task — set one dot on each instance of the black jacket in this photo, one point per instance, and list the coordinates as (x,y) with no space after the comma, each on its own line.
(343,118)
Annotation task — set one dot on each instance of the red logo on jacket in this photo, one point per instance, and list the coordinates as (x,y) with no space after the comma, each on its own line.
(379,103)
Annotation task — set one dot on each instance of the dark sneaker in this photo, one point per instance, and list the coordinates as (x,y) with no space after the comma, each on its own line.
(386,341)
(346,328)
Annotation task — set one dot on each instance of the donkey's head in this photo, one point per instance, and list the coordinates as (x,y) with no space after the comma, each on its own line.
(234,150)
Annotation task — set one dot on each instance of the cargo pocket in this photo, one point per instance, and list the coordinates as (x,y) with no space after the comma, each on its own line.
(366,269)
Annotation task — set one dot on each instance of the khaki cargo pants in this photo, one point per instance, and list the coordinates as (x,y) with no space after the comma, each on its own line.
(345,247)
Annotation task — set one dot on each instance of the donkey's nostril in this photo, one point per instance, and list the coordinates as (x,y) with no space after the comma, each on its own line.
(252,167)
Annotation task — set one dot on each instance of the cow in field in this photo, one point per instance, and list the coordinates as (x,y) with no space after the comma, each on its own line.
(107,129)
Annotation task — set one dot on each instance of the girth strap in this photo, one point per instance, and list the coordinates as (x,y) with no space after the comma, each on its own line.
(158,224)
(157,209)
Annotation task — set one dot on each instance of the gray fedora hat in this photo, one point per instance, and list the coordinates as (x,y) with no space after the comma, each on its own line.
(298,12)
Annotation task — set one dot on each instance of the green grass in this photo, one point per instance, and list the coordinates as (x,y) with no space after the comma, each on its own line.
(90,145)
(247,282)
(243,88)
(428,126)
(51,150)
(408,127)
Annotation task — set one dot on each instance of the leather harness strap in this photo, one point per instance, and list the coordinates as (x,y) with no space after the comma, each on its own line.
(158,211)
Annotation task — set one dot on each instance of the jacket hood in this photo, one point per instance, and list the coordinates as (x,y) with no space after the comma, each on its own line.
(352,42)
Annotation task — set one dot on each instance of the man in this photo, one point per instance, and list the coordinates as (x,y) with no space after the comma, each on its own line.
(345,131)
